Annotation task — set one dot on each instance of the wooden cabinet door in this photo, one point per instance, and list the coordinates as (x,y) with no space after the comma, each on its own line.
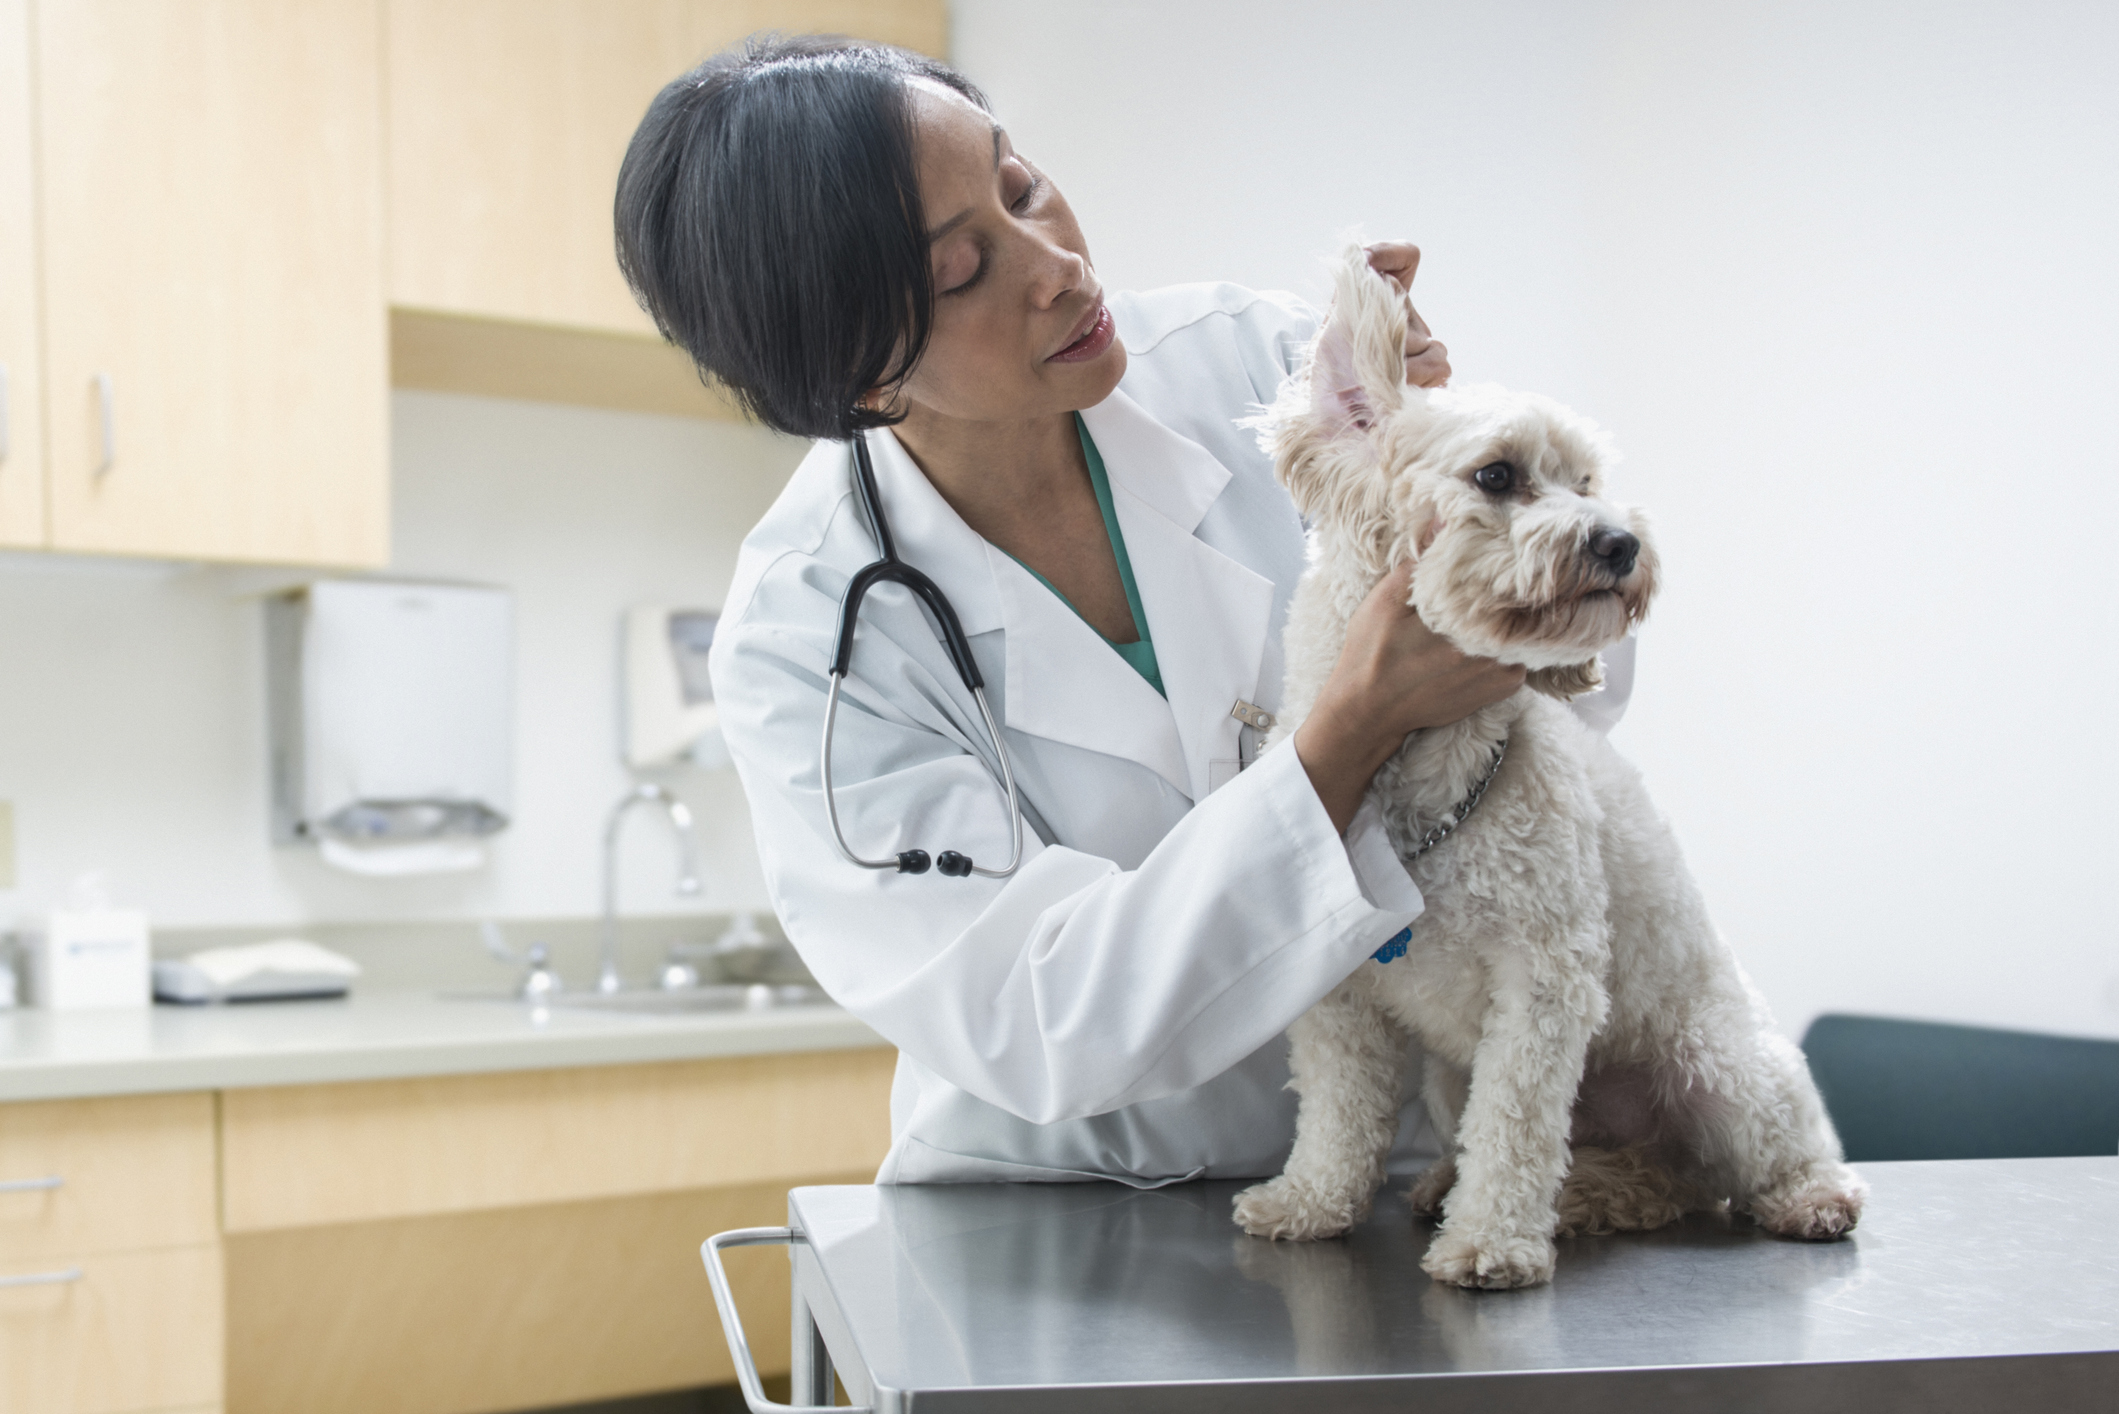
(112,1335)
(21,361)
(509,118)
(216,366)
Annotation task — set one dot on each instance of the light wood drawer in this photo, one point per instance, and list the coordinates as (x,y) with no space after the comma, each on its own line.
(135,1331)
(303,1155)
(132,1172)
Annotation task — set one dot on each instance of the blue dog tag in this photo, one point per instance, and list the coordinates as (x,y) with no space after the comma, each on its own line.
(1395,948)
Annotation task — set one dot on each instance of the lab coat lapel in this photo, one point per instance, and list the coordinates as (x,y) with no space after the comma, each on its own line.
(1063,682)
(1208,614)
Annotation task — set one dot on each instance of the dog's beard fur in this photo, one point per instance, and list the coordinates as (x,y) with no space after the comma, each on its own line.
(1386,472)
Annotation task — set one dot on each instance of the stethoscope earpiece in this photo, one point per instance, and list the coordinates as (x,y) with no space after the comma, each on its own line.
(914,861)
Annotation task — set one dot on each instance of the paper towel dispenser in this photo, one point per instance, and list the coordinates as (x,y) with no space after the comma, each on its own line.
(669,711)
(392,721)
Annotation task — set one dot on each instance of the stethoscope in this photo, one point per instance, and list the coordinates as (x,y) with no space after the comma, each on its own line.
(894,570)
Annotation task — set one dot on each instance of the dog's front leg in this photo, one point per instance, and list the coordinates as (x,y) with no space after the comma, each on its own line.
(1348,1061)
(1512,1155)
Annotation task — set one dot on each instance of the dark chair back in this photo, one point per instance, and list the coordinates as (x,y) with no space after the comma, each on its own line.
(1919,1090)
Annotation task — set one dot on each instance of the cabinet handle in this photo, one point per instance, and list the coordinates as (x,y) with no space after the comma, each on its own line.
(58,1278)
(30,1185)
(107,420)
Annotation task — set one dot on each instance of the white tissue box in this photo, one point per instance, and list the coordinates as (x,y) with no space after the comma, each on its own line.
(84,959)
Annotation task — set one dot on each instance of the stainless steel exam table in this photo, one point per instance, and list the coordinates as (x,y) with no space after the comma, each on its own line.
(1972,1285)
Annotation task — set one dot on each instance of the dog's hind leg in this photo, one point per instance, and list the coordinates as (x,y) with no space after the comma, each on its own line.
(1780,1149)
(1618,1190)
(1348,1059)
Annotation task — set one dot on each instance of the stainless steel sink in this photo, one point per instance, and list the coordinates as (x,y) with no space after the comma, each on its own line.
(718,996)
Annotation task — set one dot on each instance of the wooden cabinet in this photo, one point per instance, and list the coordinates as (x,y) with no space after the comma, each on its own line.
(446,1246)
(210,215)
(116,1175)
(508,121)
(21,364)
(134,1331)
(524,1239)
(312,1154)
(198,325)
(110,1263)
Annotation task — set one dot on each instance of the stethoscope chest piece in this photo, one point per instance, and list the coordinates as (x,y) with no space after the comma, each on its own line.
(892,570)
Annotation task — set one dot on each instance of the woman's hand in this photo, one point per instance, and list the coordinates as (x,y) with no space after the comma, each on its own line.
(1426,360)
(1394,676)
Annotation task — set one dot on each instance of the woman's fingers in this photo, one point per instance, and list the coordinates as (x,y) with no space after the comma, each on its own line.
(1395,676)
(1426,359)
(1396,261)
(1398,675)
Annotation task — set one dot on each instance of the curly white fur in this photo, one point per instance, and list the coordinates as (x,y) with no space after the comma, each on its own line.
(1597,1060)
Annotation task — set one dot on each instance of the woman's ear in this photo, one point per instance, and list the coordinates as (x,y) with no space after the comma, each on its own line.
(1567,682)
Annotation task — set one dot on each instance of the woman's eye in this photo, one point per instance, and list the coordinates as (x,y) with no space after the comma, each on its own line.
(1496,478)
(1030,190)
(954,279)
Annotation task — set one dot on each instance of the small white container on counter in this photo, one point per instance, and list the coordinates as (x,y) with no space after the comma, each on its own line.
(86,959)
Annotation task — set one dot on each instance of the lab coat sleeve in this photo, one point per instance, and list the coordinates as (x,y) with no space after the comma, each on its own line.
(1076,986)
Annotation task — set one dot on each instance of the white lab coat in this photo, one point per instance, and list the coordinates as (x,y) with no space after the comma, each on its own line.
(1115,1009)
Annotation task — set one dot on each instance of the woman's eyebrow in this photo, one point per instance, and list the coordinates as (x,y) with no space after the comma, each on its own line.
(965,215)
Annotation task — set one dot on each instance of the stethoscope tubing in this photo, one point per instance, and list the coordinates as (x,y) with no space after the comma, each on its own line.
(891,569)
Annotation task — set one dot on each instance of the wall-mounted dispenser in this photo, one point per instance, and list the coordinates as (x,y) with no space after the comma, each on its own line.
(669,716)
(392,711)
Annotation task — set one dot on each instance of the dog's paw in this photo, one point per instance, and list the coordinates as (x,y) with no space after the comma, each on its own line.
(1433,1185)
(1822,1210)
(1496,1261)
(1283,1208)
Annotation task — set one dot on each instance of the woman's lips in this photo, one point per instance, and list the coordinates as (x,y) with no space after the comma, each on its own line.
(1090,343)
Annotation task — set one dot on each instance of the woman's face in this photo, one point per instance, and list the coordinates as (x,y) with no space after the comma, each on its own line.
(1020,330)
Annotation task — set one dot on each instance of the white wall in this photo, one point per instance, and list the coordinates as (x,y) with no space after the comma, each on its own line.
(132,697)
(1841,279)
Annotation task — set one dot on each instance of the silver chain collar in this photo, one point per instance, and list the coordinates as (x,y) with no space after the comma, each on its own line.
(1464,807)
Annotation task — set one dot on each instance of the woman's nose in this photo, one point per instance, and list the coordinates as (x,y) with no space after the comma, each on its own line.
(1059,272)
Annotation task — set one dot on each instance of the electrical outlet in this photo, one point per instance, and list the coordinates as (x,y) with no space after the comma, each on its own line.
(7,844)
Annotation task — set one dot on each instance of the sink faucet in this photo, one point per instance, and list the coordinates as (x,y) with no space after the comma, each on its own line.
(607,979)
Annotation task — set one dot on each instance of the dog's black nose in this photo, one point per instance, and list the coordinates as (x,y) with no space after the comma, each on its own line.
(1618,549)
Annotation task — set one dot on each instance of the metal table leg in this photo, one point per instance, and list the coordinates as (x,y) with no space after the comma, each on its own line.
(812,1361)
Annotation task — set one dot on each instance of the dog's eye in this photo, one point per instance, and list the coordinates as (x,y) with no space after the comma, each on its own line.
(1499,478)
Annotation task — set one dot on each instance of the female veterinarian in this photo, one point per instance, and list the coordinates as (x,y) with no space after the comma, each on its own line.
(843,236)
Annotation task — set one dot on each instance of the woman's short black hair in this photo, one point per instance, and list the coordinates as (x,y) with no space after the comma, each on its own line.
(769,218)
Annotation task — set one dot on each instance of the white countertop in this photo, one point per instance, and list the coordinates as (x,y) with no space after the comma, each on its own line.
(386,1035)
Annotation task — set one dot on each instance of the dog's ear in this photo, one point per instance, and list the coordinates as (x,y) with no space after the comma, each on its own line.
(1567,682)
(1319,432)
(1357,367)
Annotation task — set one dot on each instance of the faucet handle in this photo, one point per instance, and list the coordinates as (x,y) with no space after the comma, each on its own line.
(540,981)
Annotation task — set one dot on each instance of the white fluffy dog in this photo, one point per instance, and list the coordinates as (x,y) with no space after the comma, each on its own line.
(1596,1058)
